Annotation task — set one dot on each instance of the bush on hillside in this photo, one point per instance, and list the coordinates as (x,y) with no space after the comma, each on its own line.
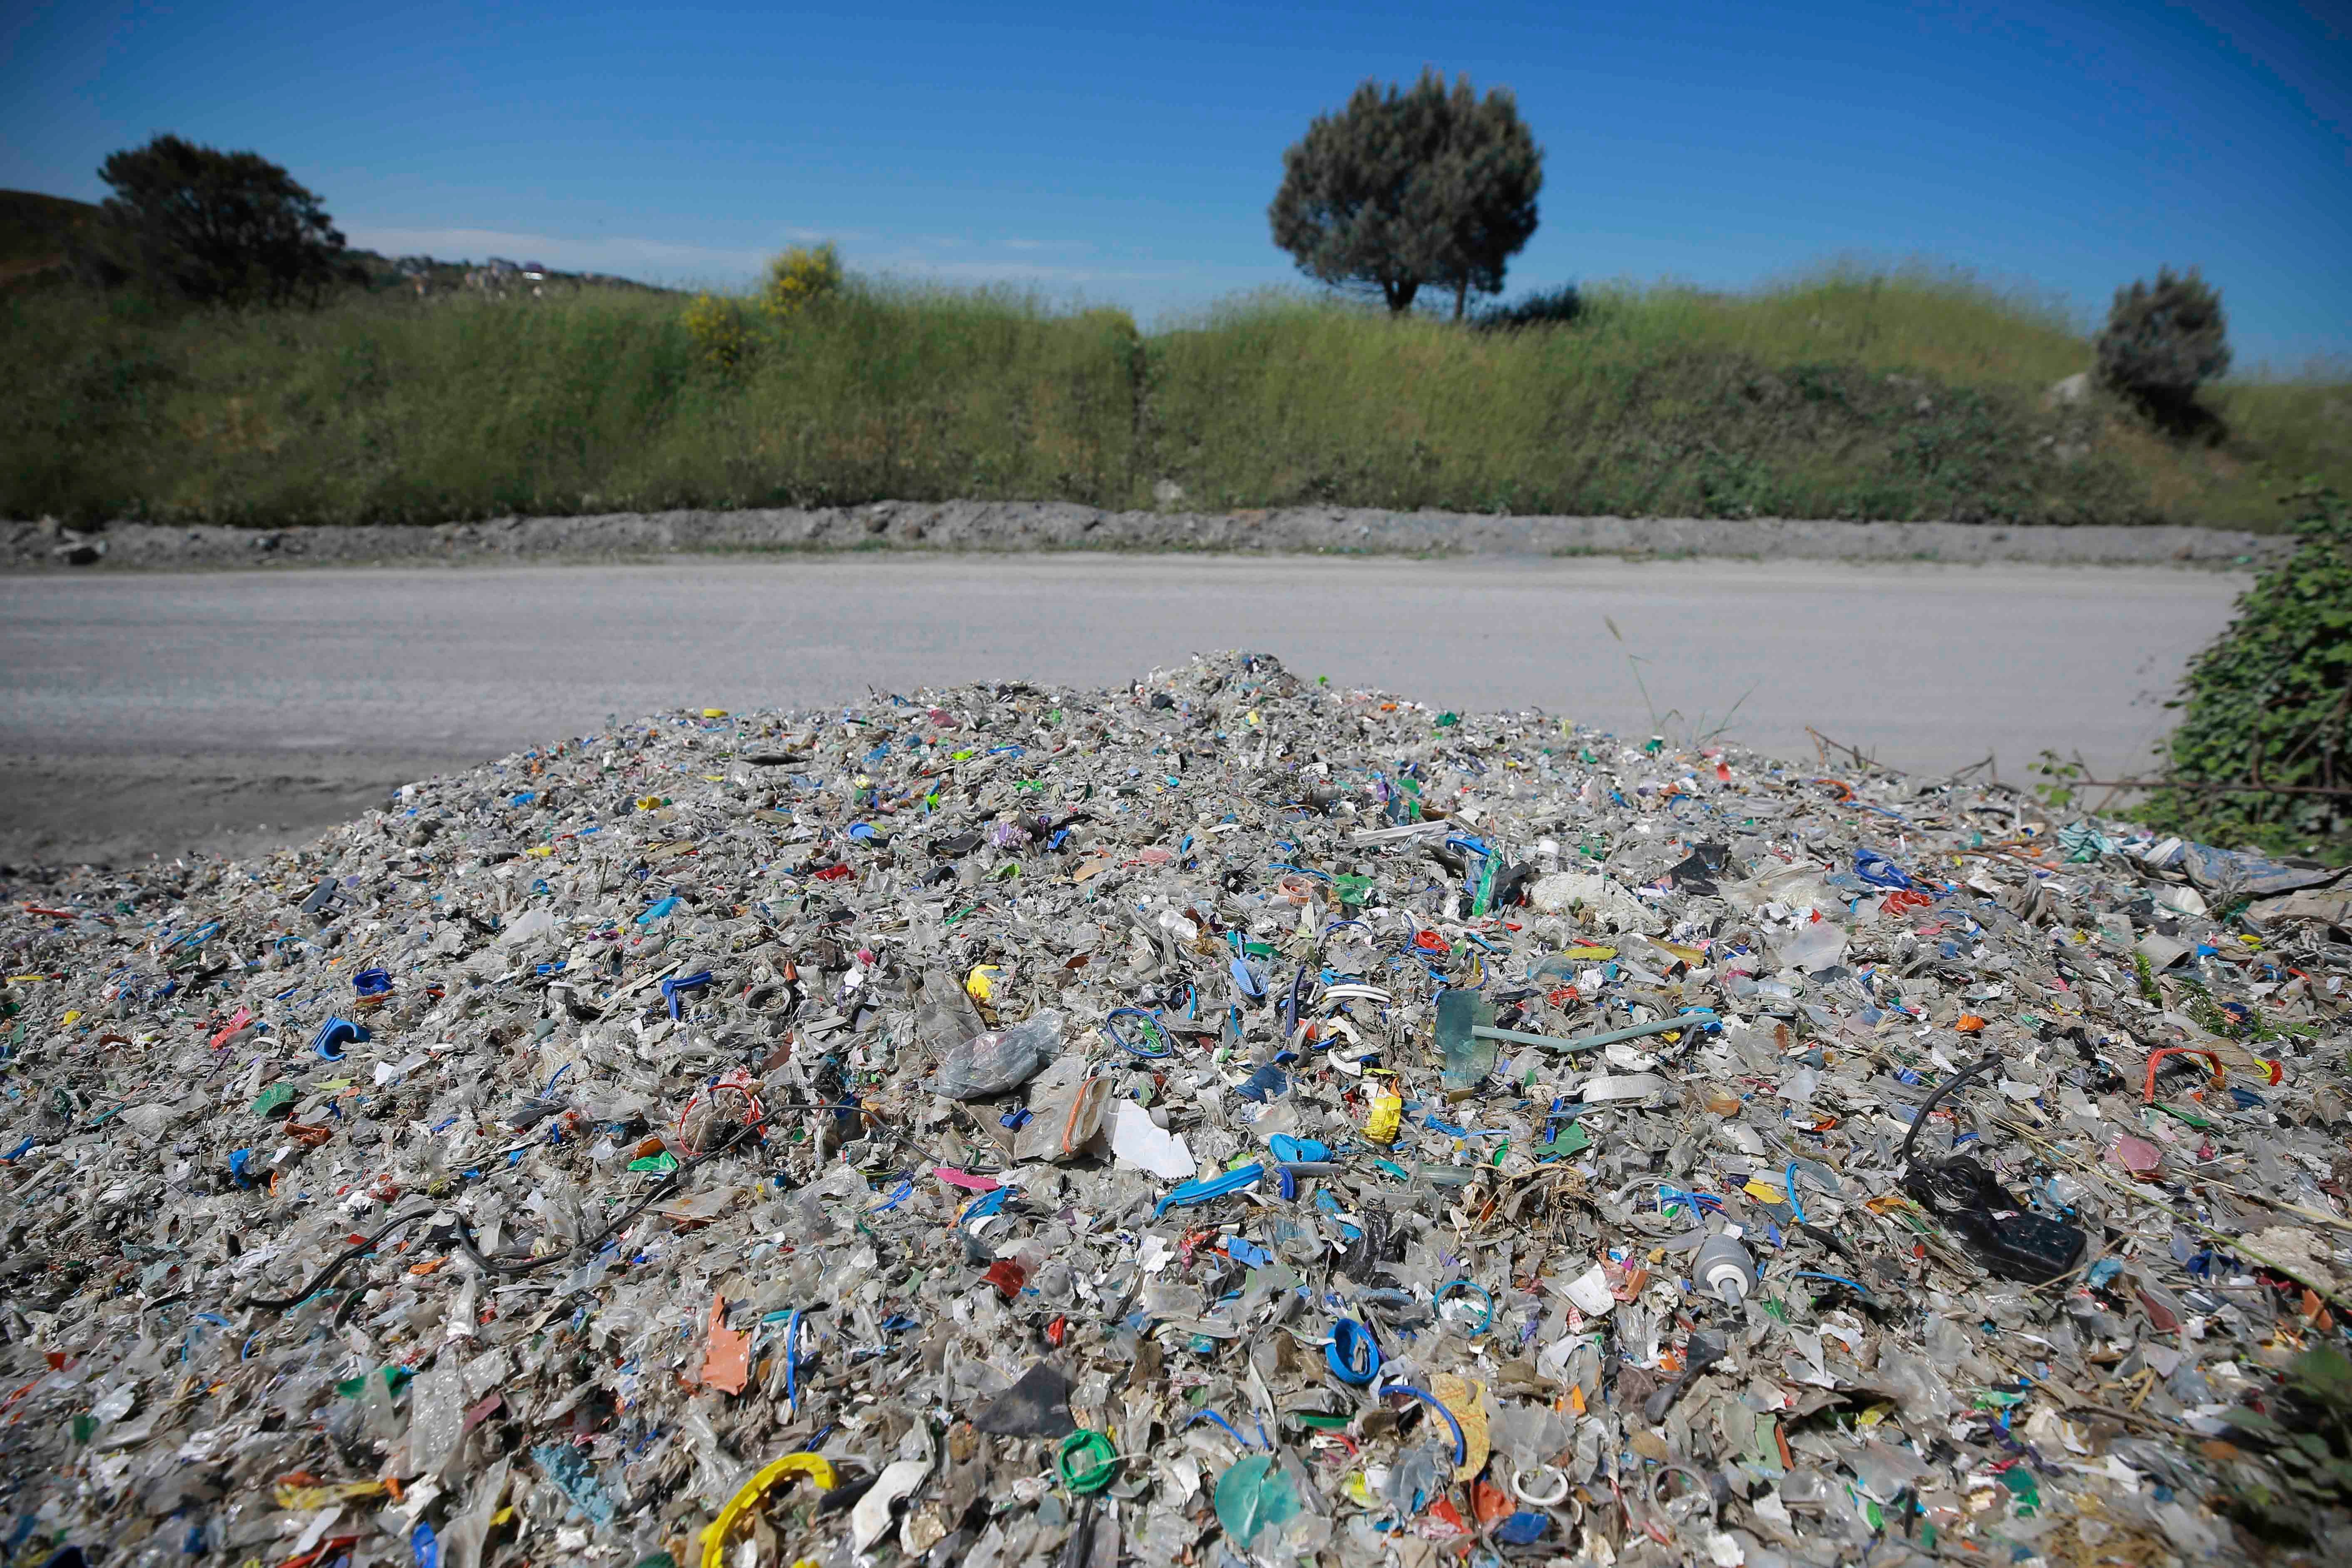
(728,329)
(723,331)
(2162,342)
(2270,703)
(1551,307)
(800,275)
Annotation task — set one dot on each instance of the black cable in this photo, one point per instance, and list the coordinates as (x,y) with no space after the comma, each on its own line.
(1949,1084)
(318,1283)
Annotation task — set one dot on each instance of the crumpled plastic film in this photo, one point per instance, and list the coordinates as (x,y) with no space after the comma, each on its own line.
(1232,1117)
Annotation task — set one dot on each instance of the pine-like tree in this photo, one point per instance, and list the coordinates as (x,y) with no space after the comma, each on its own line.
(1408,188)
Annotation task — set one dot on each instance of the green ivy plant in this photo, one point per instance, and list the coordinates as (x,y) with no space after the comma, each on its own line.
(2302,1484)
(2269,701)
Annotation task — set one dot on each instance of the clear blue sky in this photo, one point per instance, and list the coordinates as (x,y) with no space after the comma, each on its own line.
(1128,154)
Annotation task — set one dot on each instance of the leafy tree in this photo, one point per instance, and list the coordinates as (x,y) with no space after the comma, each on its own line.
(210,227)
(1407,188)
(2269,702)
(2163,341)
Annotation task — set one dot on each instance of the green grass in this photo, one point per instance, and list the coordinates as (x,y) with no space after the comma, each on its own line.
(1846,392)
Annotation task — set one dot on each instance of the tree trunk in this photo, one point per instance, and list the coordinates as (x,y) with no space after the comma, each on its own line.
(1461,298)
(1400,295)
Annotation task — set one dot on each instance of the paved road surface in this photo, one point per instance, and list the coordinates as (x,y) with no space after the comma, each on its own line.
(149,713)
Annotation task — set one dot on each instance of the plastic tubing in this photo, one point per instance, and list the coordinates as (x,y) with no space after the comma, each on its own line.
(1460,1448)
(1353,1356)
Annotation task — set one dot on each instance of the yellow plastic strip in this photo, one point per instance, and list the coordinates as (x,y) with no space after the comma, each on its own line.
(714,1539)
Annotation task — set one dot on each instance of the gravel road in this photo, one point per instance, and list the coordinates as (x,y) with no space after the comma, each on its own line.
(150,712)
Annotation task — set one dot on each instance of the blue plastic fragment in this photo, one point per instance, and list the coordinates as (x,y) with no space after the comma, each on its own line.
(1879,871)
(1289,1151)
(676,984)
(333,1034)
(658,910)
(372,982)
(567,1467)
(1524,1528)
(983,1205)
(1201,1192)
(425,1545)
(1269,1082)
(1352,1356)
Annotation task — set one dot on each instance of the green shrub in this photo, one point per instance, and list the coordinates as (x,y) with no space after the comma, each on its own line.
(2162,342)
(1550,307)
(800,276)
(724,330)
(2270,703)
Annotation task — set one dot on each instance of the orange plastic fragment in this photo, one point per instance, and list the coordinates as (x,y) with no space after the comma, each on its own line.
(727,1365)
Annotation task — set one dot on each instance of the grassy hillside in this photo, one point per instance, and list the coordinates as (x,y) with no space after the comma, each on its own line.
(33,232)
(1842,395)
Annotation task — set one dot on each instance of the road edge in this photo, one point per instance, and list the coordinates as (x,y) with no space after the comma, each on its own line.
(1027,527)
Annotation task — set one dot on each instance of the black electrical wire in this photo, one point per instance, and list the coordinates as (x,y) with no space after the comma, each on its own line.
(1928,1104)
(318,1281)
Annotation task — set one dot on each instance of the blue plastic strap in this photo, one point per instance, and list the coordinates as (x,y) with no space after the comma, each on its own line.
(1470,1287)
(1879,871)
(672,986)
(1854,1285)
(1461,1448)
(1201,1192)
(1112,1033)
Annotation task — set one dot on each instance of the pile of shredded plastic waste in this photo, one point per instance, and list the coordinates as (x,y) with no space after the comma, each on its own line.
(1229,1120)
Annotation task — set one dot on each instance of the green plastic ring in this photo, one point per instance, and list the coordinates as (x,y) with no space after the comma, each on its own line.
(1103,1457)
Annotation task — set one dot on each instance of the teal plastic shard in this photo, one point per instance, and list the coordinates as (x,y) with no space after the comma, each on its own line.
(1252,1497)
(1468,1056)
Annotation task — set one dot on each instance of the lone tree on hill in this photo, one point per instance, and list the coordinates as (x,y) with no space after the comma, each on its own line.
(1402,189)
(210,227)
(2162,342)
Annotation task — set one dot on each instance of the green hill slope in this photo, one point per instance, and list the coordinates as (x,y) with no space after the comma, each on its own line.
(32,230)
(1844,394)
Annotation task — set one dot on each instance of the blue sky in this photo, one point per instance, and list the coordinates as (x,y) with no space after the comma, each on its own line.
(1127,154)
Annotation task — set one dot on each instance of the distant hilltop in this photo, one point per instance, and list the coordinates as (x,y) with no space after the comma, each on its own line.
(36,232)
